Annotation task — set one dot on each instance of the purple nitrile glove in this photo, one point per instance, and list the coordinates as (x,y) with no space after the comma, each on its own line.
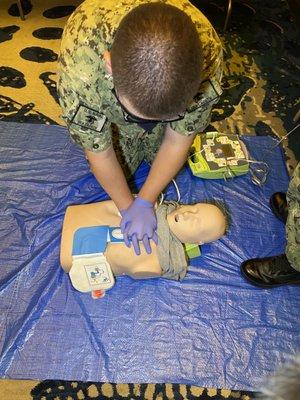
(139,224)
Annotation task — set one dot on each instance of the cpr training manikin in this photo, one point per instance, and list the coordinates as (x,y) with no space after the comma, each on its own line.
(93,251)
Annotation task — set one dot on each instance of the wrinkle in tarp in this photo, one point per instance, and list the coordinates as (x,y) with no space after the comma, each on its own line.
(213,329)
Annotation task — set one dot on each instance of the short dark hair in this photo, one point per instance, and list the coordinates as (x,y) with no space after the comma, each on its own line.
(156,59)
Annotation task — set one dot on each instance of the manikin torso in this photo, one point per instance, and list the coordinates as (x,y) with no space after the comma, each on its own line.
(123,260)
(197,223)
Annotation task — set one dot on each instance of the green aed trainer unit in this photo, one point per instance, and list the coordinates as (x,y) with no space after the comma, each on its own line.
(215,155)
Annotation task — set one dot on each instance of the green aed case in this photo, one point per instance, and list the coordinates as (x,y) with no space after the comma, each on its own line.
(214,155)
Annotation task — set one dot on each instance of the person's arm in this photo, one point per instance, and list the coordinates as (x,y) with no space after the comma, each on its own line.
(109,174)
(169,159)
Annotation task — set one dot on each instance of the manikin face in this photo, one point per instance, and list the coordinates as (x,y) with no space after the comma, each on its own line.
(198,223)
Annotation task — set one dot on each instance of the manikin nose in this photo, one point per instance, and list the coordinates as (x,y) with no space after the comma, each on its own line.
(186,215)
(189,213)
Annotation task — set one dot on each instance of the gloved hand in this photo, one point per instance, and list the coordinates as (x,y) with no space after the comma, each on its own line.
(139,224)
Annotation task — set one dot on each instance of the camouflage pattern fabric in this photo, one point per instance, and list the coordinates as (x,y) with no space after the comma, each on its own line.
(261,74)
(293,221)
(90,109)
(260,92)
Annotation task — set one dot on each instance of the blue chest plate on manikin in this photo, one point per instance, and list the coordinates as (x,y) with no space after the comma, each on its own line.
(94,239)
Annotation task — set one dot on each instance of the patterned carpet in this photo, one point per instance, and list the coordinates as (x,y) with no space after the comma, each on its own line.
(261,76)
(62,390)
(261,83)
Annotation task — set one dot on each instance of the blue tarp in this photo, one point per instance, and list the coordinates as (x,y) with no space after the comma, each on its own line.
(213,329)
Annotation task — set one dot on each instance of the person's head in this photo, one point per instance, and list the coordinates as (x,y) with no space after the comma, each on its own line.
(156,61)
(198,223)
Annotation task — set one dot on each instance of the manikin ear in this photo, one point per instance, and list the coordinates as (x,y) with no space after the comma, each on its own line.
(107,62)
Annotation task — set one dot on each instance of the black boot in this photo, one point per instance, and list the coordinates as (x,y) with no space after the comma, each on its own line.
(270,271)
(279,206)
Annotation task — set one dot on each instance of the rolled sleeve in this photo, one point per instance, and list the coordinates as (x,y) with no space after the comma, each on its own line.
(90,140)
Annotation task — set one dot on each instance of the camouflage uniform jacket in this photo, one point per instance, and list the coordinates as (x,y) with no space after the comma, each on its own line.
(90,109)
(293,220)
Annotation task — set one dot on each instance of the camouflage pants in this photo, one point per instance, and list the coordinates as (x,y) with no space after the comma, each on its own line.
(131,149)
(293,221)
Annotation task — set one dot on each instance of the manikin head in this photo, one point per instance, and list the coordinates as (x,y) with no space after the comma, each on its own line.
(198,223)
(155,61)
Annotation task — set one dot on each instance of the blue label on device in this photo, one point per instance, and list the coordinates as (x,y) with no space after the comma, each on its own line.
(90,240)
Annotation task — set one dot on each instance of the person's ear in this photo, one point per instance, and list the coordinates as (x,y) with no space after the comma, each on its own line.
(107,62)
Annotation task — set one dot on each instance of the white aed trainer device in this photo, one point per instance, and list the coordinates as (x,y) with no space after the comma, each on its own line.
(90,270)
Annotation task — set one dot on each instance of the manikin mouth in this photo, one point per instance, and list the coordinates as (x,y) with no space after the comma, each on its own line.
(176,218)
